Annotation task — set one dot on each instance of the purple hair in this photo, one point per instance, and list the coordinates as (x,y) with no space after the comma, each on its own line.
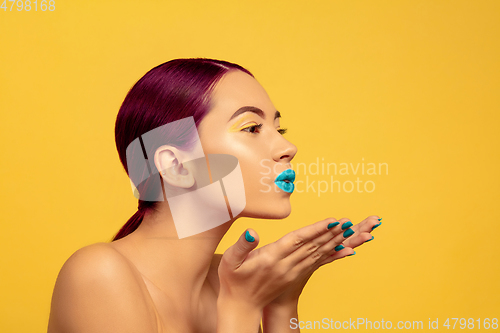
(171,91)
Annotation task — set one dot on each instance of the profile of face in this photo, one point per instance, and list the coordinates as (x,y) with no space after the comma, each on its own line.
(244,123)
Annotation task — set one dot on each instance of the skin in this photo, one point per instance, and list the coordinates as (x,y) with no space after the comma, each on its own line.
(151,281)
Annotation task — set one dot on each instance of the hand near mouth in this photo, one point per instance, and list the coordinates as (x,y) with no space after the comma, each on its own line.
(277,272)
(279,311)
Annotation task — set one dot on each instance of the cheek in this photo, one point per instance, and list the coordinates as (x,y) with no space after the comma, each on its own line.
(256,170)
(246,151)
(257,177)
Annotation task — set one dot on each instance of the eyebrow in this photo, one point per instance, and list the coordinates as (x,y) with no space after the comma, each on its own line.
(254,110)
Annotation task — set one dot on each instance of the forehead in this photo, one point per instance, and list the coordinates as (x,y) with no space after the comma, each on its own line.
(237,89)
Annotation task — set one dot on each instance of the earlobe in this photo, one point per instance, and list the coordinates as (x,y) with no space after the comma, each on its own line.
(168,160)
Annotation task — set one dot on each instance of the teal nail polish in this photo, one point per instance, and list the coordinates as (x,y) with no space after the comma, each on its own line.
(380,219)
(348,232)
(334,224)
(346,225)
(351,254)
(249,237)
(370,239)
(339,247)
(376,225)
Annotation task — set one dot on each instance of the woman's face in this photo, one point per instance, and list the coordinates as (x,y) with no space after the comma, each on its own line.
(263,152)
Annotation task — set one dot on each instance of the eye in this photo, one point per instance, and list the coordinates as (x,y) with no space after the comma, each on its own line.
(251,129)
(282,130)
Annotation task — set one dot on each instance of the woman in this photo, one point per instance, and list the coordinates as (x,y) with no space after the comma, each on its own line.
(150,279)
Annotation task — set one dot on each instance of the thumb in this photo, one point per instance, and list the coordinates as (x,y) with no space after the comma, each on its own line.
(237,253)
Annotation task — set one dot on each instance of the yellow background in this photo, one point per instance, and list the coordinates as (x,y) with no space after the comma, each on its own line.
(414,84)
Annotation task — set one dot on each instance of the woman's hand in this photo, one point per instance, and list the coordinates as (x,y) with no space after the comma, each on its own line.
(362,231)
(255,278)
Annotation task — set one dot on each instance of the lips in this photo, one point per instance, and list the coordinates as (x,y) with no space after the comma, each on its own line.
(285,180)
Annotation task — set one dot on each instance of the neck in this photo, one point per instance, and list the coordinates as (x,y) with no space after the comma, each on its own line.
(178,267)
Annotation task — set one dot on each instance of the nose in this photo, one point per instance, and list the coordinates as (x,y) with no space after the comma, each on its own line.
(284,151)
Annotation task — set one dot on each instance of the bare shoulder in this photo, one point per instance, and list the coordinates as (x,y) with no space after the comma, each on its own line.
(97,290)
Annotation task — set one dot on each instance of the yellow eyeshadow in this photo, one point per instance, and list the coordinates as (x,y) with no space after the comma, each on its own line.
(237,126)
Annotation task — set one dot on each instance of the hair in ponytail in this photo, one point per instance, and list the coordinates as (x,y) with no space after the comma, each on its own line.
(134,221)
(171,91)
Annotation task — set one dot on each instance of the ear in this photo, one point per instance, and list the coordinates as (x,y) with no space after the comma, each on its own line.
(168,160)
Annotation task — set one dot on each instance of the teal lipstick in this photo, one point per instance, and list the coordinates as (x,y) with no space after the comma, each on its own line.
(285,180)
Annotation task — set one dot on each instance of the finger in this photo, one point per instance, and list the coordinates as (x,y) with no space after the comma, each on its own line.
(237,253)
(310,248)
(358,239)
(302,258)
(360,236)
(368,224)
(345,252)
(296,239)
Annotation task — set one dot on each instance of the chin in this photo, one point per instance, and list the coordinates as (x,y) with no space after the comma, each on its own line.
(273,211)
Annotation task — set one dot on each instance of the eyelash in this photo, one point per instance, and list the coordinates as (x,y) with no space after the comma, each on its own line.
(280,131)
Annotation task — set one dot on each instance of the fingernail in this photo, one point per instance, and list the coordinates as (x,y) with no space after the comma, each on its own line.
(348,232)
(346,225)
(376,225)
(351,254)
(370,239)
(339,247)
(331,225)
(249,237)
(380,219)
